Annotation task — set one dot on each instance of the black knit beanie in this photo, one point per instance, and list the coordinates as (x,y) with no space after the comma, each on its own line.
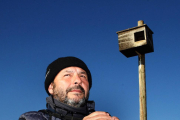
(56,66)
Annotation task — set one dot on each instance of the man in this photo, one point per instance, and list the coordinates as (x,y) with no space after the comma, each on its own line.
(67,82)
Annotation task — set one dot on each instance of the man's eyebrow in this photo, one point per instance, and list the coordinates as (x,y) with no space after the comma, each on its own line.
(83,72)
(69,71)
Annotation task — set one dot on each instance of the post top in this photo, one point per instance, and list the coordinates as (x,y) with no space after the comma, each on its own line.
(140,22)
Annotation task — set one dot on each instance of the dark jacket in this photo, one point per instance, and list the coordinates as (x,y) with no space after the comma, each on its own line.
(59,111)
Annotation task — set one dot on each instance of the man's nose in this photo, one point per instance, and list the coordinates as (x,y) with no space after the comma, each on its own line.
(77,79)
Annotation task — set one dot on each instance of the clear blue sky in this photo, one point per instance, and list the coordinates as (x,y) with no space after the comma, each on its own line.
(33,33)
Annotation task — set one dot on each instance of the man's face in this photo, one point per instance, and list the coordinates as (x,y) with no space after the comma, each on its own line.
(71,86)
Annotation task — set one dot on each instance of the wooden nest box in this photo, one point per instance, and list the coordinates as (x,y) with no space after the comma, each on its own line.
(136,40)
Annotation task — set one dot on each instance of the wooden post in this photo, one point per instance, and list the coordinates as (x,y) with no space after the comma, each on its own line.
(142,83)
(142,87)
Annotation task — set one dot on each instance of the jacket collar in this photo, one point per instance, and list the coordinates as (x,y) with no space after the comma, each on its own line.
(59,107)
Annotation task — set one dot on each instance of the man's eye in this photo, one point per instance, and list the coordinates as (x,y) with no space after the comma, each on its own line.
(84,76)
(67,75)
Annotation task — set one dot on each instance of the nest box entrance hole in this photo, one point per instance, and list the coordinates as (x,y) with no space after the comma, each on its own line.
(139,36)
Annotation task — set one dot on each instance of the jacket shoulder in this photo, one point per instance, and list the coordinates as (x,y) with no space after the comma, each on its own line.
(34,115)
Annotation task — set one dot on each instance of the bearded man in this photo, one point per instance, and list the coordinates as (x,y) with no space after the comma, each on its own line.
(67,82)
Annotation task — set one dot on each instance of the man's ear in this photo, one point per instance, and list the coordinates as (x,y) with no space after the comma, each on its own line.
(50,89)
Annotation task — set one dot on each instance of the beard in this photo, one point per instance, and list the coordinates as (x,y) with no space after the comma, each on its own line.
(62,96)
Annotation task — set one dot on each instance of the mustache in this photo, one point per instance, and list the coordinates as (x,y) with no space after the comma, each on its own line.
(75,87)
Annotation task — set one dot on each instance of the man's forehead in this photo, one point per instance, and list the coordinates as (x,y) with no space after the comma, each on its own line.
(73,69)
